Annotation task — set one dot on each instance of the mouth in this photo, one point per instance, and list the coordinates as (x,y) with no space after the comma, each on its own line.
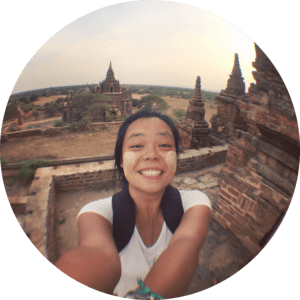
(151,173)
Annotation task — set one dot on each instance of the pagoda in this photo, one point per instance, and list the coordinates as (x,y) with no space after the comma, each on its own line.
(110,84)
(228,123)
(193,128)
(235,83)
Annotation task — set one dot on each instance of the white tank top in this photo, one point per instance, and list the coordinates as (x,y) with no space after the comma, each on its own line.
(136,257)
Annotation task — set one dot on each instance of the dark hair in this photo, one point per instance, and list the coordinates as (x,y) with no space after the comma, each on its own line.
(123,129)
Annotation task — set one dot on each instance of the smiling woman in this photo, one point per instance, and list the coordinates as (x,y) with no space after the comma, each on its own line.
(143,241)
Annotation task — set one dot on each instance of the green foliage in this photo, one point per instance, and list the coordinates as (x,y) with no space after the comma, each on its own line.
(148,101)
(81,125)
(214,116)
(35,112)
(3,161)
(110,118)
(74,126)
(11,109)
(10,112)
(59,123)
(135,102)
(51,108)
(11,181)
(179,113)
(34,97)
(28,107)
(124,117)
(29,166)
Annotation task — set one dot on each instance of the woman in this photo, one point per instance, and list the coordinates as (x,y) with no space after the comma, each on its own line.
(164,256)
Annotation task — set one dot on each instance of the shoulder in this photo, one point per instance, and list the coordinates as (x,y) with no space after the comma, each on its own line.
(191,198)
(102,207)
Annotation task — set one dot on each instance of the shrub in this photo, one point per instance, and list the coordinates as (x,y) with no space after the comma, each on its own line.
(110,118)
(124,117)
(11,181)
(150,99)
(34,97)
(24,99)
(81,125)
(10,112)
(3,161)
(214,116)
(179,113)
(59,123)
(35,112)
(52,108)
(74,126)
(29,166)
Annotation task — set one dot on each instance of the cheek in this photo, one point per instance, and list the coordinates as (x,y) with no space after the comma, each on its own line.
(129,159)
(171,161)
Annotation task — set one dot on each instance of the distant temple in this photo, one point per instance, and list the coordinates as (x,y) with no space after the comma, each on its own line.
(120,104)
(121,97)
(193,128)
(227,123)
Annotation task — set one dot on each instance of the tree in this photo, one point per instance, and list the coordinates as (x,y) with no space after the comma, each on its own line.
(148,101)
(34,97)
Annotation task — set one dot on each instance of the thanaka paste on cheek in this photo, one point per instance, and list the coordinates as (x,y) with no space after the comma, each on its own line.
(129,160)
(171,161)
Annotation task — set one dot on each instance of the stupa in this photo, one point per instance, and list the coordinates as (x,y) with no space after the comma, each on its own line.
(193,128)
(228,123)
(235,83)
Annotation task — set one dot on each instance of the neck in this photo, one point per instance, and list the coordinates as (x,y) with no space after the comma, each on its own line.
(146,205)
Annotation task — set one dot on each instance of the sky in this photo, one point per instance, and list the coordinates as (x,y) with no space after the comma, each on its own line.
(152,43)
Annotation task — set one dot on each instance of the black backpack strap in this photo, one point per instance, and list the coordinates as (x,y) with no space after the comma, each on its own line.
(172,209)
(124,214)
(123,218)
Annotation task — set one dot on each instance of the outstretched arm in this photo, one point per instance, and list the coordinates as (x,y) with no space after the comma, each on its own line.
(95,262)
(171,274)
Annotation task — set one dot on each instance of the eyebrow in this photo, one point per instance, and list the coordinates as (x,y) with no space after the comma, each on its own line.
(159,134)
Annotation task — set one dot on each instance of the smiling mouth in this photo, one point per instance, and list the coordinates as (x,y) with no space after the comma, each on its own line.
(151,173)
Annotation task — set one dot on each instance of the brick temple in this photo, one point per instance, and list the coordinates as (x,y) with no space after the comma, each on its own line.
(120,103)
(193,128)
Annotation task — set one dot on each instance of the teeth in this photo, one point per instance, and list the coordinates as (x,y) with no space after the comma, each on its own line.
(151,172)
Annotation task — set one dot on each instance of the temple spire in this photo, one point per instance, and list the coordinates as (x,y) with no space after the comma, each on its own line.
(236,70)
(235,83)
(193,128)
(110,73)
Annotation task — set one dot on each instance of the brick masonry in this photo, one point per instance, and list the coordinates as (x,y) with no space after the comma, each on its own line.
(261,166)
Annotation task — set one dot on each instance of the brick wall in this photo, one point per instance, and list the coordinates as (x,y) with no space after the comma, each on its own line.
(67,179)
(261,167)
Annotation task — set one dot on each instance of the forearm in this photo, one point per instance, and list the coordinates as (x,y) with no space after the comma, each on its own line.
(171,274)
(95,268)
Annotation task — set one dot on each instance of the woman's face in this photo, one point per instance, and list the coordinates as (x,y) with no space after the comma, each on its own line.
(149,155)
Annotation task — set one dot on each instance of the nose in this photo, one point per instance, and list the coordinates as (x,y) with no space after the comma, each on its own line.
(151,153)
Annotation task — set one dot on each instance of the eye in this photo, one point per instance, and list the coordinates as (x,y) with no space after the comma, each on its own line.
(165,146)
(136,146)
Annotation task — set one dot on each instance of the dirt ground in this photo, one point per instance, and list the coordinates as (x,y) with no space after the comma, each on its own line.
(44,100)
(69,144)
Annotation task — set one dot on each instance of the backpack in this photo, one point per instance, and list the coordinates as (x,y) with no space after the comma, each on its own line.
(124,214)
